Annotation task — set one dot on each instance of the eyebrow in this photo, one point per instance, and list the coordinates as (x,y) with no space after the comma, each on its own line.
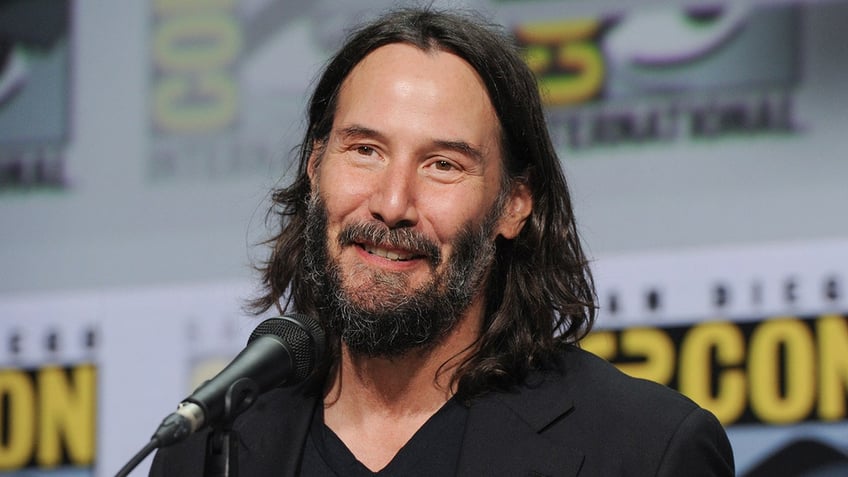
(462,147)
(356,132)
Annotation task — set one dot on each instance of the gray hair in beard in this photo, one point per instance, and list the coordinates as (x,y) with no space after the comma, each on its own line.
(388,319)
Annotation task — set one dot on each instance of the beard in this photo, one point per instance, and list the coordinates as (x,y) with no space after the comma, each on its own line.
(383,316)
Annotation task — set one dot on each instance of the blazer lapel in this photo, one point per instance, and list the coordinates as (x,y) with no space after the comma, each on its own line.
(505,434)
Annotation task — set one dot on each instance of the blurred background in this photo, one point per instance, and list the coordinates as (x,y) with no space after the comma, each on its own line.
(703,141)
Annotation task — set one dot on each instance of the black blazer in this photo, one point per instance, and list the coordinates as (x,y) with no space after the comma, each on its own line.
(588,420)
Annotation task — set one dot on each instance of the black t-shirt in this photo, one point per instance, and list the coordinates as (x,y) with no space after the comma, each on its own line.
(432,451)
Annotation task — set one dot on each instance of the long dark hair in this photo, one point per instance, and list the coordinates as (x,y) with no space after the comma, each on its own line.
(540,294)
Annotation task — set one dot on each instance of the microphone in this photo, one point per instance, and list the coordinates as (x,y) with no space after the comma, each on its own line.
(280,352)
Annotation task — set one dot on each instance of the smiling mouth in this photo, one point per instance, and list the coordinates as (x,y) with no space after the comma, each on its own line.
(397,245)
(392,255)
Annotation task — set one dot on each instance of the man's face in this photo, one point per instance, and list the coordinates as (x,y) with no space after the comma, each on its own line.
(408,186)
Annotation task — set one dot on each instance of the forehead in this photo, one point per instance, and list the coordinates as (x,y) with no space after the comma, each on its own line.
(432,92)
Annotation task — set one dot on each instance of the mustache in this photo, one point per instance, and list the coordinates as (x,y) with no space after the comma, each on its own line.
(382,236)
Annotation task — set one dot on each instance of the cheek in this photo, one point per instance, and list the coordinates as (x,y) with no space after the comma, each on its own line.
(343,194)
(446,215)
(453,208)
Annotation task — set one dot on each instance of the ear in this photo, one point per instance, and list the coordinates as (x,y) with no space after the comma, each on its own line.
(516,211)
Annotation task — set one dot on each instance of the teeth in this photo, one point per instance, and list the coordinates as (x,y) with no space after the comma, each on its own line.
(381,252)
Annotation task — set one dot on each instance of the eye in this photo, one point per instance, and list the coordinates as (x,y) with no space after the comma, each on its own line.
(443,165)
(364,150)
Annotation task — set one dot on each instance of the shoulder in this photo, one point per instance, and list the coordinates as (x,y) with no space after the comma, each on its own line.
(591,380)
(629,421)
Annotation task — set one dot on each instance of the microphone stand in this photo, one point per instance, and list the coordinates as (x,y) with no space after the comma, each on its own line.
(222,444)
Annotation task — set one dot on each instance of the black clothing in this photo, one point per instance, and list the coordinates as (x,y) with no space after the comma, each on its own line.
(589,419)
(433,450)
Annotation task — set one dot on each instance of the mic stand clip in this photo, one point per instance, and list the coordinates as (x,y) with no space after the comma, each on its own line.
(222,444)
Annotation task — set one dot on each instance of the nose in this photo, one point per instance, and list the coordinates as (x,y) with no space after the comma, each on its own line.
(393,200)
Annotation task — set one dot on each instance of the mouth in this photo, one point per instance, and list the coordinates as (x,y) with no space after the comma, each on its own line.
(401,245)
(393,255)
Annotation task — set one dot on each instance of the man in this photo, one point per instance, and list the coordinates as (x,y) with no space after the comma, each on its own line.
(430,229)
